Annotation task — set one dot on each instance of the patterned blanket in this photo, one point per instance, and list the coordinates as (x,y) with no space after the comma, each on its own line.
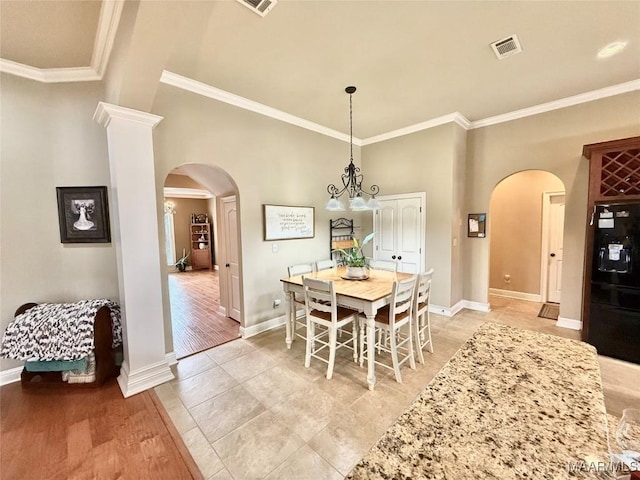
(57,331)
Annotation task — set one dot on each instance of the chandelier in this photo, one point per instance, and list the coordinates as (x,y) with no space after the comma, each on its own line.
(352,179)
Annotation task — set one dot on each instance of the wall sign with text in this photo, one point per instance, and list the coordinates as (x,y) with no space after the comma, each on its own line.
(286,223)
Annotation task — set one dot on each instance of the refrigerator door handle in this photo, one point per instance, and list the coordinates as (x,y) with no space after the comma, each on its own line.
(593,214)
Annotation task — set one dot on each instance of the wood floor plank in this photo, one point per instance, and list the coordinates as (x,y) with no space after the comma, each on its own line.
(196,323)
(87,434)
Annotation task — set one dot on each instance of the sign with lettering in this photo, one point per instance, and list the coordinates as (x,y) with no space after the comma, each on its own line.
(286,223)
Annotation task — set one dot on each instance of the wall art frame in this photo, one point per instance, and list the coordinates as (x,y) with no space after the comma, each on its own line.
(477,225)
(83,214)
(282,222)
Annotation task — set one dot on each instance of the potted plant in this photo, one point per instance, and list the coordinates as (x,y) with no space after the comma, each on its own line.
(354,258)
(182,263)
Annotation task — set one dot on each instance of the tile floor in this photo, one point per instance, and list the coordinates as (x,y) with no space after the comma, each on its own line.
(250,410)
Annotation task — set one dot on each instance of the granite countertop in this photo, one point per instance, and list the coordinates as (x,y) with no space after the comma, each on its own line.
(511,403)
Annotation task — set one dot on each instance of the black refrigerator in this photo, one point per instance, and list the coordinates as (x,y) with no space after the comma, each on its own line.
(614,310)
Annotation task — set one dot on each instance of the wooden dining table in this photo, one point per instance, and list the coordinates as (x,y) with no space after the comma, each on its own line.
(366,296)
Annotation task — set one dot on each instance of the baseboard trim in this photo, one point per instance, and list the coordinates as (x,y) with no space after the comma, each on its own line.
(569,323)
(531,297)
(478,306)
(144,378)
(222,311)
(446,311)
(10,376)
(171,358)
(246,332)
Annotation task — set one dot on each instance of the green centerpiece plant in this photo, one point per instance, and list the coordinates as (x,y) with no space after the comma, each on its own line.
(354,258)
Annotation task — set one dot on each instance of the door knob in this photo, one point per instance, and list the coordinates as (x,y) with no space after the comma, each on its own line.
(393,257)
(227,265)
(553,255)
(399,257)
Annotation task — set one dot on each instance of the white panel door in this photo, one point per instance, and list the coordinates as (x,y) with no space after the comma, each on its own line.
(399,227)
(556,232)
(232,265)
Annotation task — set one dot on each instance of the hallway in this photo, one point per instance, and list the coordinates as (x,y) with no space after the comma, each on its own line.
(195,321)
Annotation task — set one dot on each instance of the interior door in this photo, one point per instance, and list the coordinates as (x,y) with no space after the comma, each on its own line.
(556,232)
(232,264)
(399,227)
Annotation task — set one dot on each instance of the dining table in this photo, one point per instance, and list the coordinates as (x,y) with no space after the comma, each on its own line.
(366,295)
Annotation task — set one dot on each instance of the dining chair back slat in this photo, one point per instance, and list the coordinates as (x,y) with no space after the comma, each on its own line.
(325,264)
(385,265)
(299,320)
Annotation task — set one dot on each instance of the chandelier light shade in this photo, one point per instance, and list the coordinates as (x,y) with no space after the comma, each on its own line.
(352,179)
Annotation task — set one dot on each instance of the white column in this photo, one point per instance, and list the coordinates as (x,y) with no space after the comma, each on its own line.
(135,232)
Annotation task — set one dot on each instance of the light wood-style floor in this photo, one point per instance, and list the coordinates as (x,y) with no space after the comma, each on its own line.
(63,433)
(196,323)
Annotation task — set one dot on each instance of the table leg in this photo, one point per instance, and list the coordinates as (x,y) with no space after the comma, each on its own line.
(371,351)
(291,318)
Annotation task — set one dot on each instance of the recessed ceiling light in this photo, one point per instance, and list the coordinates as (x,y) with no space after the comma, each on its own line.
(611,49)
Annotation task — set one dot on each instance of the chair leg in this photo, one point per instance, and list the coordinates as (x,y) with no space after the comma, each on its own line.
(412,361)
(354,339)
(394,357)
(310,334)
(361,339)
(416,338)
(429,333)
(332,352)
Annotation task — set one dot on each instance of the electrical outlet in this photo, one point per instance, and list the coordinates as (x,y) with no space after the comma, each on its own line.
(274,248)
(507,278)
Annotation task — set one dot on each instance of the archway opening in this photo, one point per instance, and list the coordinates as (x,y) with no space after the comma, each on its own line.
(526,224)
(201,246)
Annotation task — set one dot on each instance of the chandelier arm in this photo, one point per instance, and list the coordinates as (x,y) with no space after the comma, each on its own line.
(335,191)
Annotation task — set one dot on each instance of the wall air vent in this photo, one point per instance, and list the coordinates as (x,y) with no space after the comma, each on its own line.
(261,7)
(506,47)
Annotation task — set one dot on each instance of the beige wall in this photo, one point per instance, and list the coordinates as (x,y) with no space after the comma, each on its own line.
(48,140)
(427,161)
(515,225)
(270,162)
(552,142)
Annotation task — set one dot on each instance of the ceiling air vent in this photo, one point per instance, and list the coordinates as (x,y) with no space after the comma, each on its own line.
(506,47)
(261,7)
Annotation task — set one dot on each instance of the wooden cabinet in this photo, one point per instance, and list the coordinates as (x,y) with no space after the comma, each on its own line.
(200,245)
(614,177)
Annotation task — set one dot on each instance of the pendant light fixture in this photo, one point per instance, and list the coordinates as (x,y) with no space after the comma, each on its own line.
(352,179)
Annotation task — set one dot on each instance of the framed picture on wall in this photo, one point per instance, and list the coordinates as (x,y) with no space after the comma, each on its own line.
(83,214)
(477,225)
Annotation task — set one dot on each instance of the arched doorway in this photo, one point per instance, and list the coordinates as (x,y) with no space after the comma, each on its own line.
(526,223)
(206,309)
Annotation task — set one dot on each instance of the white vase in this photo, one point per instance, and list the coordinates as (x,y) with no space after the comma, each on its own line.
(356,272)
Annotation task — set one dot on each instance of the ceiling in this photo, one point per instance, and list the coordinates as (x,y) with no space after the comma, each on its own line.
(411,61)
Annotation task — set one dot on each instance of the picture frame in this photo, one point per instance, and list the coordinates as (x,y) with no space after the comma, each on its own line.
(83,214)
(283,222)
(477,225)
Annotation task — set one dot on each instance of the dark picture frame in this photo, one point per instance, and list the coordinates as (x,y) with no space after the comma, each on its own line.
(83,214)
(477,225)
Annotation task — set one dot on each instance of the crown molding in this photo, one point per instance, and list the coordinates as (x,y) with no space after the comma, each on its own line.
(200,88)
(105,112)
(110,13)
(626,87)
(178,192)
(455,117)
(49,75)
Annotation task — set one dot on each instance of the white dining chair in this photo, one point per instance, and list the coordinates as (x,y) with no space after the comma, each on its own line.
(391,319)
(322,309)
(325,264)
(421,323)
(385,265)
(299,319)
